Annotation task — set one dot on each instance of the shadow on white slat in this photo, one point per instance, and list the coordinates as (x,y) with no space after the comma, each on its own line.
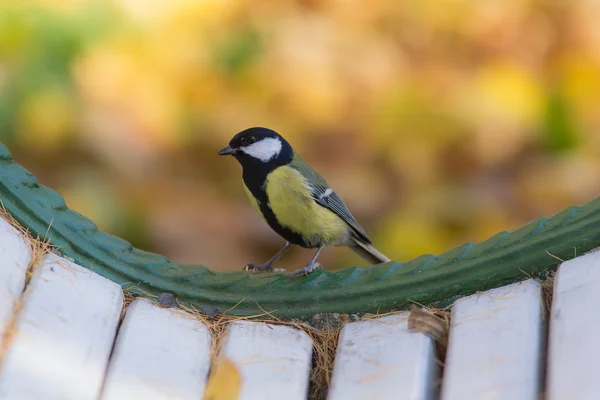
(381,359)
(495,345)
(274,360)
(64,334)
(574,338)
(15,256)
(159,354)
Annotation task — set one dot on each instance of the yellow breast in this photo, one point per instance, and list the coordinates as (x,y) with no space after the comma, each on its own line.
(290,199)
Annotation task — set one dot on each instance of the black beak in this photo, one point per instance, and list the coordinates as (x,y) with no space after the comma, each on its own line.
(228,151)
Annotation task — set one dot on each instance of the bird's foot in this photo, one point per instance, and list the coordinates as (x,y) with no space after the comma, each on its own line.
(310,267)
(261,268)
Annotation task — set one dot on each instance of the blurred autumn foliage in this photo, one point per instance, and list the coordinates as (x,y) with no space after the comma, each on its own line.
(438,122)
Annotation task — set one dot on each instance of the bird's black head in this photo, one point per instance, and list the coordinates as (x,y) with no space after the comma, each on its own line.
(259,146)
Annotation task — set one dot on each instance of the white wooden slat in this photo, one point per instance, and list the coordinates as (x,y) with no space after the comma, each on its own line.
(574,337)
(495,345)
(274,360)
(382,359)
(64,334)
(15,256)
(159,354)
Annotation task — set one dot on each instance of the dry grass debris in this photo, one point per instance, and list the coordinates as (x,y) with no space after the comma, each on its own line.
(548,291)
(433,322)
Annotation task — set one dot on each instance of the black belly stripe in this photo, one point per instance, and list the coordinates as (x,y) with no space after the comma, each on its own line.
(255,176)
(281,230)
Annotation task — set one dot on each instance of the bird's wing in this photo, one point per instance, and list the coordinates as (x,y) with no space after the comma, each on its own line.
(327,197)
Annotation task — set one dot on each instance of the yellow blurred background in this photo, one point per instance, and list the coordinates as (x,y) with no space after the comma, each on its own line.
(438,122)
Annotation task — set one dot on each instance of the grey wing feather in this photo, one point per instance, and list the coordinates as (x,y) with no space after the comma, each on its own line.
(333,202)
(326,197)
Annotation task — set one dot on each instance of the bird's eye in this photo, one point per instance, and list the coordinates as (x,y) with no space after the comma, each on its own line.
(251,140)
(244,142)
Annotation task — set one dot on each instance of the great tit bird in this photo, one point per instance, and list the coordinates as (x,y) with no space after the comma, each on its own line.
(294,199)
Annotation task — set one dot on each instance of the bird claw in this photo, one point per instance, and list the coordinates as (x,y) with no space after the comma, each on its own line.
(257,268)
(308,269)
(261,268)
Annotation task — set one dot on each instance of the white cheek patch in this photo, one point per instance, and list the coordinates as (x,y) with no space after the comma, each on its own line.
(264,149)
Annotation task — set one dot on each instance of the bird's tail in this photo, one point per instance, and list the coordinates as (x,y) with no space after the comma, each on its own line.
(368,252)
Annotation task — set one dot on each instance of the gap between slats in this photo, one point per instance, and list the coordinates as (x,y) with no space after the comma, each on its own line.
(324,342)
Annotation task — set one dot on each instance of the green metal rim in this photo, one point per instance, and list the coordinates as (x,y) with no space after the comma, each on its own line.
(507,257)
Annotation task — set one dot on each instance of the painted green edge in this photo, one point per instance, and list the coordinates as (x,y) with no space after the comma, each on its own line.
(532,250)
